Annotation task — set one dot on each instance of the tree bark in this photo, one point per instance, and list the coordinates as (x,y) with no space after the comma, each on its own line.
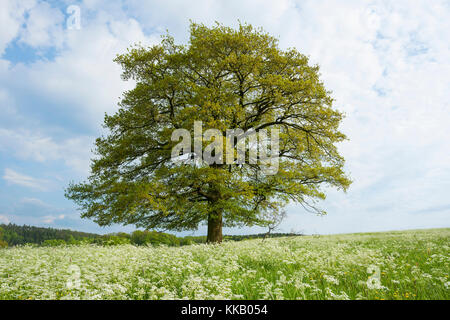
(214,228)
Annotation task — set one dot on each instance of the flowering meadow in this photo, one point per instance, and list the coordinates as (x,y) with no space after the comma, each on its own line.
(389,265)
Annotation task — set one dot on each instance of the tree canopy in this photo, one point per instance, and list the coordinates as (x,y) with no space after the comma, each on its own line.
(2,243)
(227,79)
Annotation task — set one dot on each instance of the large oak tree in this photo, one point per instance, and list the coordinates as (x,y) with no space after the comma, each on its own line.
(227,78)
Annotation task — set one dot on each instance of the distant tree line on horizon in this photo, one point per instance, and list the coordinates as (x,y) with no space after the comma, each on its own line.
(13,235)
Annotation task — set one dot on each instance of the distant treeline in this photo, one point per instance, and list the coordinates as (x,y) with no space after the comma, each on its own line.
(17,235)
(12,235)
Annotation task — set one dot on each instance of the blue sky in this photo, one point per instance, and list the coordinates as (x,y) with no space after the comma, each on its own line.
(387,63)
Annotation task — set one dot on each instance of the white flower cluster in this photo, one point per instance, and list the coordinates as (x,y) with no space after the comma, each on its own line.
(402,265)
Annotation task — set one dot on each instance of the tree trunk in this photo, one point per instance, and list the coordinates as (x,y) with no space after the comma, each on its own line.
(214,228)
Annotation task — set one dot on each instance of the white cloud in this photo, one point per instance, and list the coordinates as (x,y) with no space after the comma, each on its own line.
(14,177)
(51,219)
(8,111)
(43,26)
(4,219)
(37,212)
(34,202)
(12,17)
(82,82)
(24,144)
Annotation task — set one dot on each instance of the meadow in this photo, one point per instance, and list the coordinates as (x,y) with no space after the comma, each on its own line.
(400,265)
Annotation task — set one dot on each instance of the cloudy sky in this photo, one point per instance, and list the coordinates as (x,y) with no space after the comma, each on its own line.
(387,63)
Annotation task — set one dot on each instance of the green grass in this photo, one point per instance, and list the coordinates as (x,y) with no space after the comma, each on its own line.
(402,265)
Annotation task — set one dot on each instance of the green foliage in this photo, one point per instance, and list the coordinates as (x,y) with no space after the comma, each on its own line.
(18,235)
(112,240)
(228,79)
(188,240)
(3,244)
(54,243)
(139,237)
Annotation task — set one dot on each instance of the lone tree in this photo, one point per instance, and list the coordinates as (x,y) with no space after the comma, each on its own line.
(228,79)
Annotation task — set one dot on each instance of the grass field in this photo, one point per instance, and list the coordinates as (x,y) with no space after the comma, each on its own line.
(390,265)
